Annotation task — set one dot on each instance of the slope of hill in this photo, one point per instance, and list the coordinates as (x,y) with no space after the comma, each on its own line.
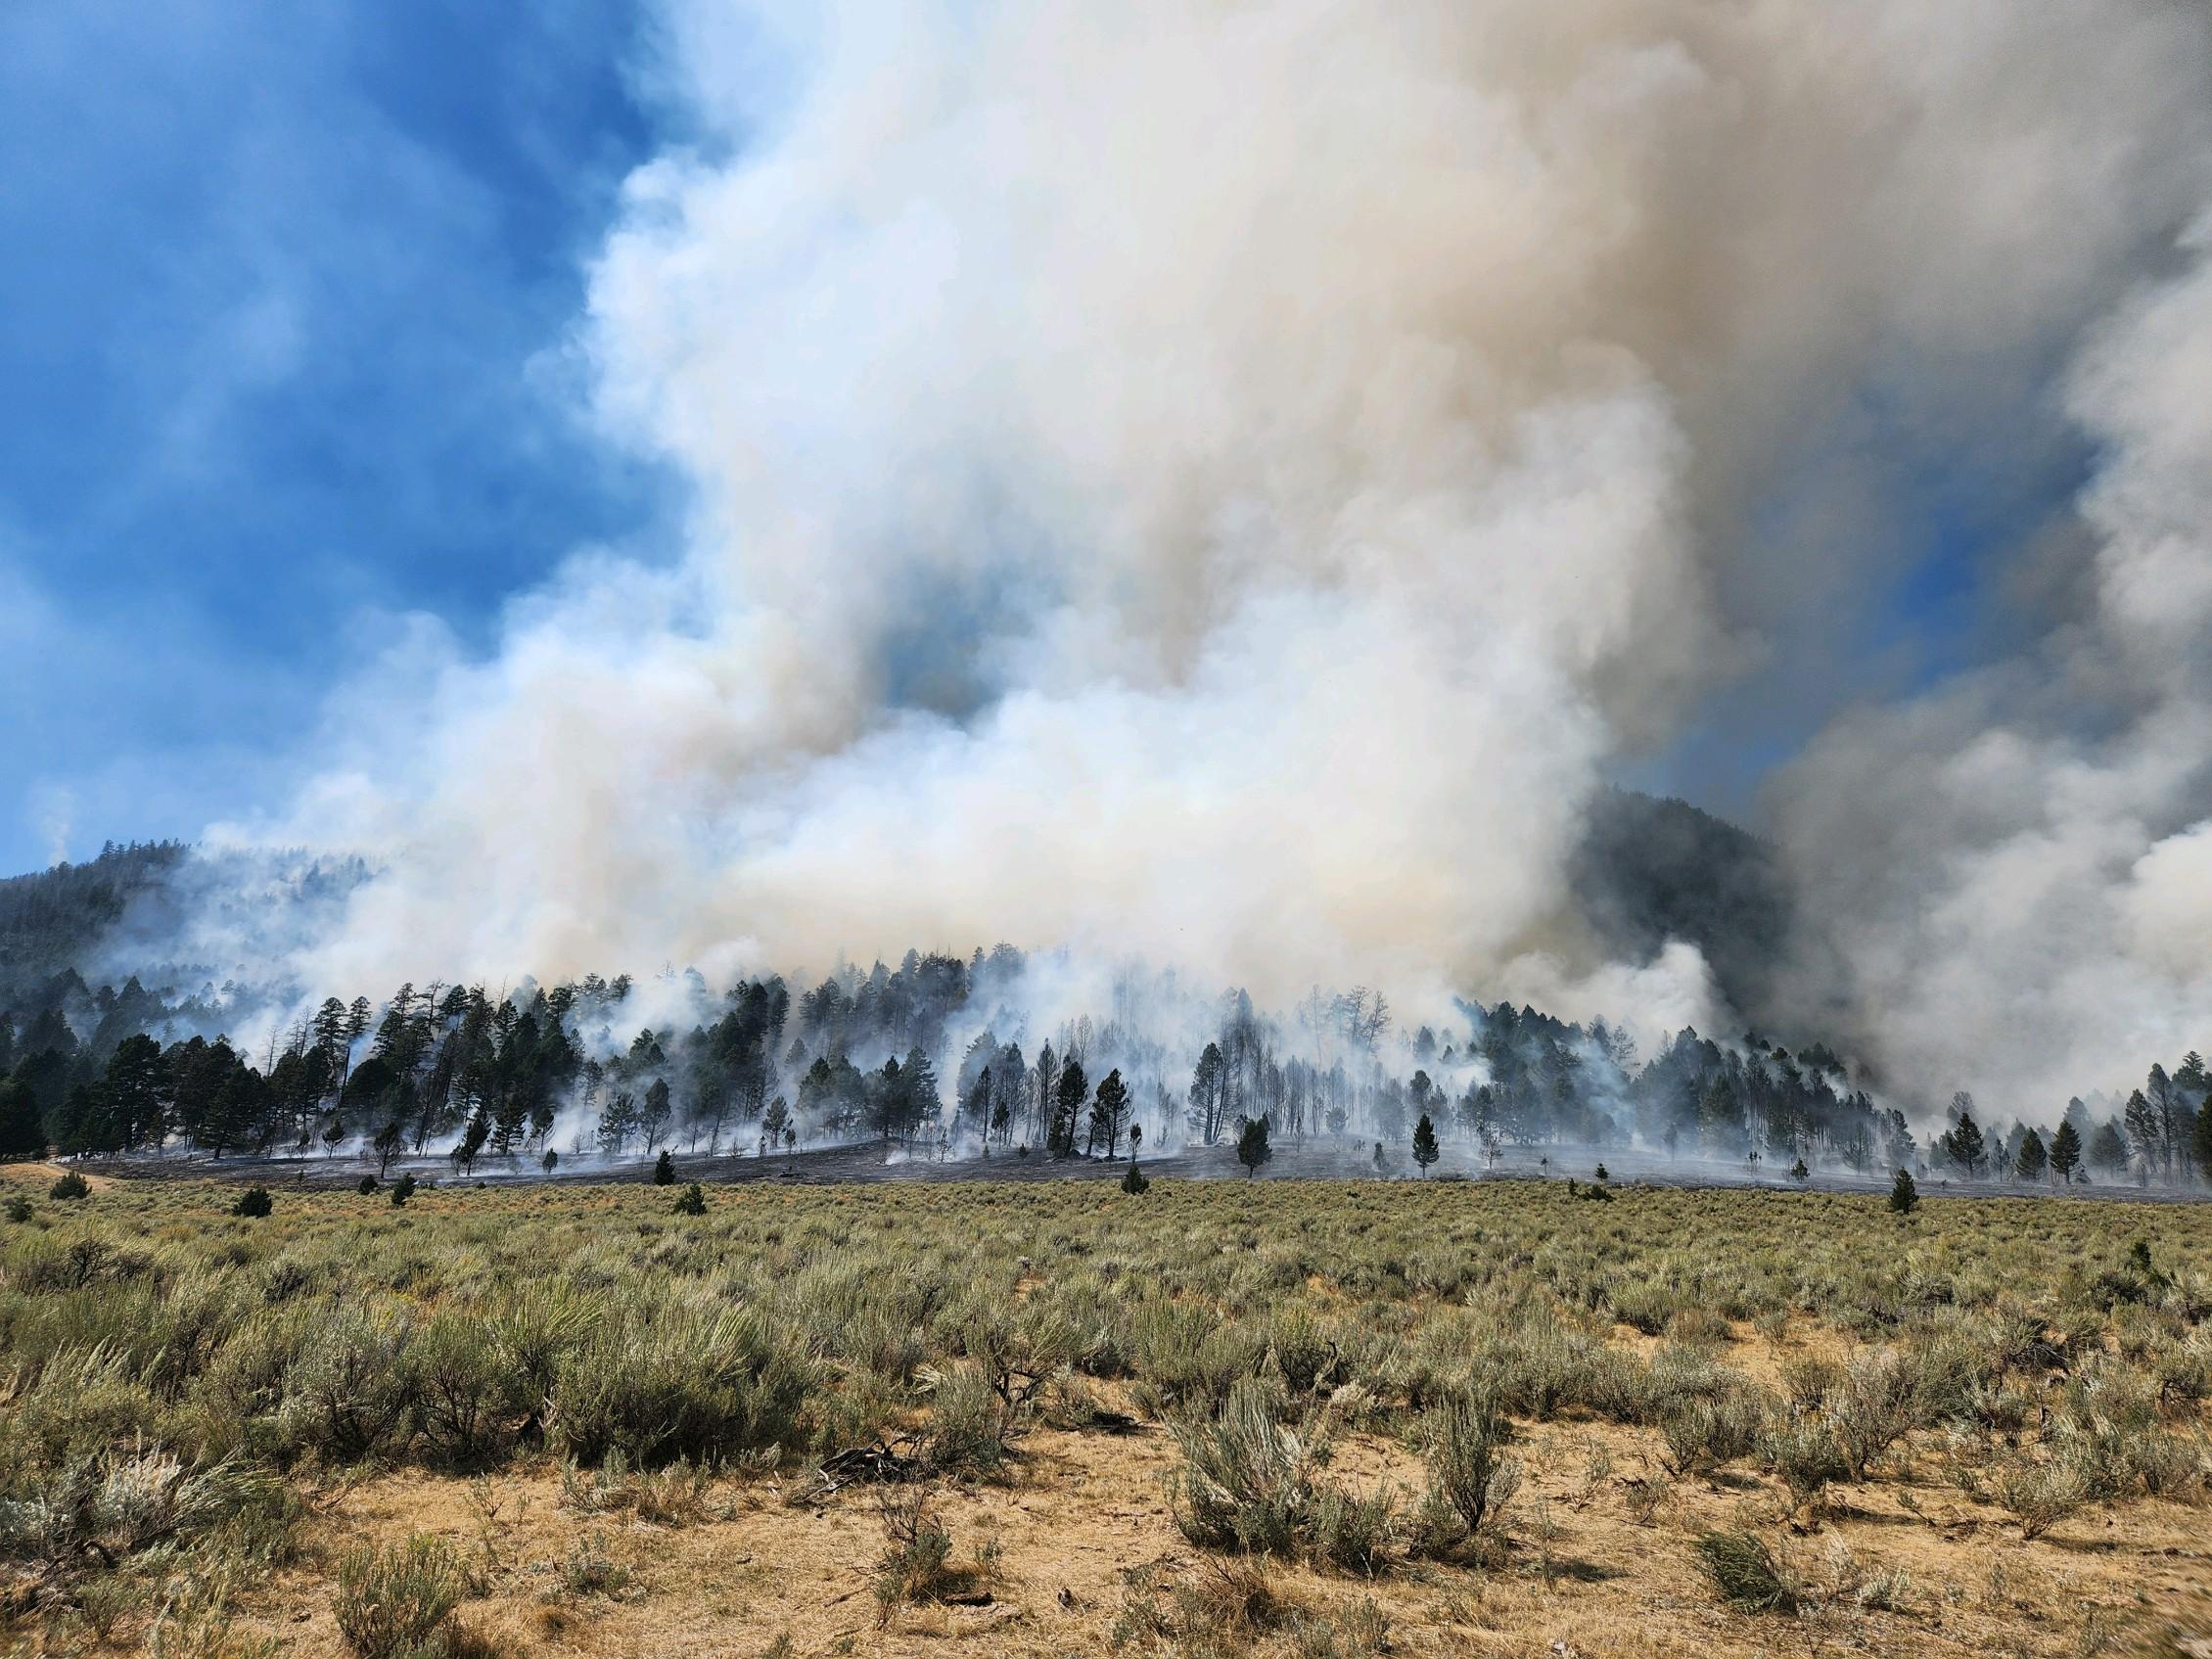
(54,920)
(1650,870)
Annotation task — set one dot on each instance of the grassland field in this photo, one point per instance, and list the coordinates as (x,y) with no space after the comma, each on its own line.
(1283,1417)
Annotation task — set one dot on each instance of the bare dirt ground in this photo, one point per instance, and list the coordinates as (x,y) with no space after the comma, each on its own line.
(1592,1573)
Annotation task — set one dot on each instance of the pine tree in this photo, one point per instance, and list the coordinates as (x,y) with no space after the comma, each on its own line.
(1425,1150)
(1252,1148)
(2032,1160)
(22,1133)
(1964,1145)
(2143,1130)
(2200,1139)
(664,1170)
(2065,1150)
(1904,1196)
(1060,1137)
(2108,1147)
(1109,1111)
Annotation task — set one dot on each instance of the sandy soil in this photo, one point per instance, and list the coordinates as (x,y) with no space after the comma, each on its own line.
(1585,1575)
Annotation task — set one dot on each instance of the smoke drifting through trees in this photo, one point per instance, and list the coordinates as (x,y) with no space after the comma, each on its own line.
(944,1058)
(1240,531)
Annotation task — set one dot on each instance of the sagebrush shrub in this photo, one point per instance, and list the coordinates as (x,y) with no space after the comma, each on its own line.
(1464,1442)
(666,1381)
(397,1602)
(1247,1481)
(1744,1573)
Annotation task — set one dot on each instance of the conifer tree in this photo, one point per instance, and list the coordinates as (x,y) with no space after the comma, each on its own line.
(1425,1150)
(2065,1151)
(1252,1148)
(1904,1196)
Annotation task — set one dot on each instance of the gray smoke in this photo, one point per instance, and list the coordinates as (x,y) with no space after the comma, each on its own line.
(1222,484)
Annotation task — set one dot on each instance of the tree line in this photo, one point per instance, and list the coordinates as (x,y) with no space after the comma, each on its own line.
(938,1055)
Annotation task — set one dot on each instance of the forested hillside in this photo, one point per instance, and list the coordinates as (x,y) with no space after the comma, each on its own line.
(950,1057)
(55,920)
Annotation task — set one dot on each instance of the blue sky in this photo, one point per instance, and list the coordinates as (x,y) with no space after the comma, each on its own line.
(283,305)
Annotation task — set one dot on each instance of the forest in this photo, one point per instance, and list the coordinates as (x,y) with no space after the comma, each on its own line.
(941,1057)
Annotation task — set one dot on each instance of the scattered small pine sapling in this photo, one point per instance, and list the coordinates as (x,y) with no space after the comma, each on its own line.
(1600,1174)
(664,1170)
(365,1185)
(692,1202)
(550,1162)
(1904,1196)
(1799,1172)
(1425,1151)
(253,1201)
(18,1208)
(1253,1150)
(402,1189)
(1134,1180)
(71,1185)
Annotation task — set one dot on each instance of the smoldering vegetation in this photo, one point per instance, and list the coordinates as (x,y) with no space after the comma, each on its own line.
(1025,1063)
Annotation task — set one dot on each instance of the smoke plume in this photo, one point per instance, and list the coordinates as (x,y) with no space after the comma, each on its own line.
(1224,484)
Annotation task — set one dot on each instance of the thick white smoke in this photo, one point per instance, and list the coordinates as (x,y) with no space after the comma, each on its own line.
(1221,482)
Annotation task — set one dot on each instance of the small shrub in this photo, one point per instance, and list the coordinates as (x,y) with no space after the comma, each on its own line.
(1465,1440)
(1808,1379)
(692,1201)
(397,1602)
(664,1170)
(1247,1483)
(18,1208)
(1744,1573)
(590,1571)
(463,1390)
(1804,1455)
(71,1185)
(254,1201)
(2041,1494)
(365,1185)
(968,1425)
(348,1392)
(1135,1180)
(668,1383)
(1705,1436)
(916,1564)
(402,1189)
(1870,1409)
(1351,1532)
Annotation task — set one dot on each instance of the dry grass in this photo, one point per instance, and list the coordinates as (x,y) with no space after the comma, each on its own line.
(1915,1380)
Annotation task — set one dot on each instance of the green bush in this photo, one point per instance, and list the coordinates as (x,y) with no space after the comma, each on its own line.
(662,1382)
(464,1390)
(969,1423)
(1247,1483)
(254,1201)
(397,1602)
(71,1185)
(1744,1573)
(349,1393)
(1463,1441)
(692,1201)
(365,1185)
